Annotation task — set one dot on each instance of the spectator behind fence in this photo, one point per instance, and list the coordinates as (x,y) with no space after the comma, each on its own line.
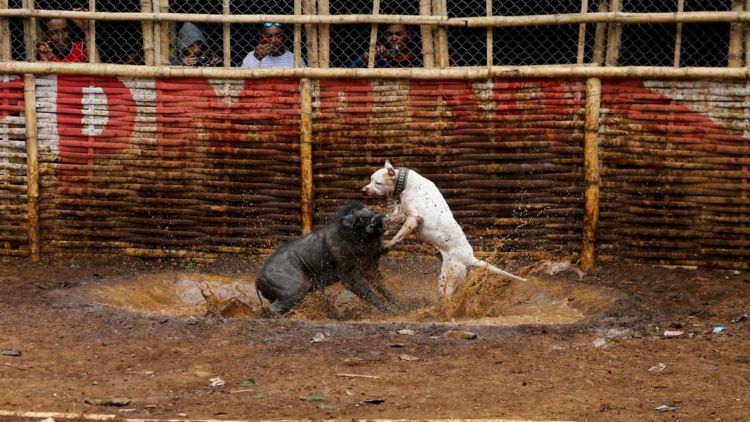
(396,52)
(59,45)
(192,48)
(271,50)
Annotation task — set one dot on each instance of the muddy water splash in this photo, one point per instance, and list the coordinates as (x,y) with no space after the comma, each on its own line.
(484,298)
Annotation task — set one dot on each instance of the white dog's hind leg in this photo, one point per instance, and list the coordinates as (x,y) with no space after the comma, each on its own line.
(482,264)
(411,224)
(452,273)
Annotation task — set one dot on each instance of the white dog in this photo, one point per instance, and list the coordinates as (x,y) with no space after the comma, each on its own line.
(428,214)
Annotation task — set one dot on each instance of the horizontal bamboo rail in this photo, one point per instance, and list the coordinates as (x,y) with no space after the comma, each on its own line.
(463,73)
(471,22)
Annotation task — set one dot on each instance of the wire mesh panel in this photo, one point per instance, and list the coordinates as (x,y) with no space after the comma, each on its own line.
(537,44)
(648,45)
(347,44)
(654,44)
(119,41)
(705,44)
(18,50)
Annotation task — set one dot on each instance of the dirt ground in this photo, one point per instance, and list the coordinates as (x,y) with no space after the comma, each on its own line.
(97,336)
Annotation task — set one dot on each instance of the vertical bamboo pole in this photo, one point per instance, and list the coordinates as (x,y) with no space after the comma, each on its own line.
(444,55)
(428,46)
(5,50)
(164,32)
(30,32)
(601,28)
(490,41)
(297,34)
(324,35)
(227,38)
(32,163)
(311,32)
(373,35)
(592,178)
(157,35)
(582,34)
(306,174)
(439,8)
(678,36)
(613,37)
(147,28)
(735,37)
(91,35)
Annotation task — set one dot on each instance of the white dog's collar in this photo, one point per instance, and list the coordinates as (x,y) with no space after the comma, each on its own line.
(403,173)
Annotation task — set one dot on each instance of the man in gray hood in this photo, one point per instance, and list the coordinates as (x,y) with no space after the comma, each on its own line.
(192,48)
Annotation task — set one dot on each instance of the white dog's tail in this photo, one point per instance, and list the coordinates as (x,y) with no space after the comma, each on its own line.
(482,264)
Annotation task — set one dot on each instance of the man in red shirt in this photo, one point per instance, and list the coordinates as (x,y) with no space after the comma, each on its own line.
(59,46)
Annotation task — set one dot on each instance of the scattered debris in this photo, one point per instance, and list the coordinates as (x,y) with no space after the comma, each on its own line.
(116,401)
(247,382)
(320,336)
(130,410)
(673,333)
(599,342)
(10,352)
(559,347)
(47,420)
(373,401)
(217,382)
(406,357)
(718,329)
(375,377)
(313,397)
(665,408)
(23,368)
(327,406)
(739,318)
(406,332)
(466,335)
(658,367)
(397,345)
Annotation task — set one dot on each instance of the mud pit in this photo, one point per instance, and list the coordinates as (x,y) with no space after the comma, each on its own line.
(484,299)
(555,348)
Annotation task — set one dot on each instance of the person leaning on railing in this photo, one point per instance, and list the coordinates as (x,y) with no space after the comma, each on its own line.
(59,45)
(271,50)
(192,48)
(396,52)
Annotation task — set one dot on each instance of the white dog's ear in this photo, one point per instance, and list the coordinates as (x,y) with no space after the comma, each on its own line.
(389,167)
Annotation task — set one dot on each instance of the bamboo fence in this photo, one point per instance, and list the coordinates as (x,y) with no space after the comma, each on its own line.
(593,160)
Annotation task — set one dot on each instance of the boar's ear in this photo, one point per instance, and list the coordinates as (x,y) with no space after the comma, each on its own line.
(347,220)
(389,167)
(376,224)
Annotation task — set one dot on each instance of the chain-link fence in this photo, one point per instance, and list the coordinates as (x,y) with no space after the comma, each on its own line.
(234,44)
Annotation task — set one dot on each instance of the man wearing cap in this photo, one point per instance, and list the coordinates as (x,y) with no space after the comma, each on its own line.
(271,51)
